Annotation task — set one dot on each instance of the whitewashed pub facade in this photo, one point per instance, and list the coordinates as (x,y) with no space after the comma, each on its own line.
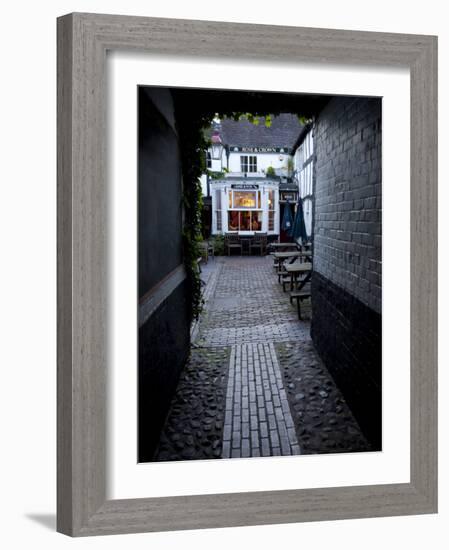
(246,205)
(255,162)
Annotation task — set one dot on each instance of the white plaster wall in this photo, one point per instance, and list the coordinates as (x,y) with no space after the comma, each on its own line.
(304,177)
(203,180)
(307,208)
(218,164)
(264,160)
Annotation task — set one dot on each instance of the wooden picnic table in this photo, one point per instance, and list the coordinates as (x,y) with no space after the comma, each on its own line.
(287,254)
(279,257)
(298,268)
(278,246)
(297,255)
(292,254)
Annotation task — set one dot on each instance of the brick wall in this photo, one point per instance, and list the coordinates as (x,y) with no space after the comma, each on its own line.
(346,285)
(348,196)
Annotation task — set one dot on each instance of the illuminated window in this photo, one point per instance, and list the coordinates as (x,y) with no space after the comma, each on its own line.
(245,199)
(244,220)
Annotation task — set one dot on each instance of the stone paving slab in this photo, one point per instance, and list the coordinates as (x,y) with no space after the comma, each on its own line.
(257,415)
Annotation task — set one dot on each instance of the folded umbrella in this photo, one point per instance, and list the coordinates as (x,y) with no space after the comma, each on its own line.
(299,226)
(287,220)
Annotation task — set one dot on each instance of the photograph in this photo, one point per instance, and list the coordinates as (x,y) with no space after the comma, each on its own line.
(259,274)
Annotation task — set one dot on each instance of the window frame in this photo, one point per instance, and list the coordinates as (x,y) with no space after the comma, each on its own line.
(250,164)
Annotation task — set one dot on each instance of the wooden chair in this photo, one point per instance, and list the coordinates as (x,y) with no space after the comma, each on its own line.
(232,242)
(210,249)
(260,242)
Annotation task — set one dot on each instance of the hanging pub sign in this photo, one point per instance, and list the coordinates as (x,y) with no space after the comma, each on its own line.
(288,196)
(244,186)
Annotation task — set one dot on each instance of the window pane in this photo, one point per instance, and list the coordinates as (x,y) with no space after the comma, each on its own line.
(256,221)
(244,199)
(245,221)
(230,199)
(271,200)
(218,216)
(252,164)
(242,220)
(233,220)
(271,220)
(244,164)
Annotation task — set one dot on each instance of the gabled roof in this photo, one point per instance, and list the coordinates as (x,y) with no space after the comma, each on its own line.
(283,132)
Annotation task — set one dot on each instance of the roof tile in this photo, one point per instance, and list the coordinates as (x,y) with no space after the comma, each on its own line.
(283,132)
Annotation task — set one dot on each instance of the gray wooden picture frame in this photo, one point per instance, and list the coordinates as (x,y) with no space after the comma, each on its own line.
(83,40)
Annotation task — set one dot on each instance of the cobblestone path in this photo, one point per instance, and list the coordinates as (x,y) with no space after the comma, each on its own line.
(254,385)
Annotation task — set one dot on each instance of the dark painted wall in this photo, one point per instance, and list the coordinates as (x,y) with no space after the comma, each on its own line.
(164,337)
(160,207)
(348,337)
(163,349)
(346,286)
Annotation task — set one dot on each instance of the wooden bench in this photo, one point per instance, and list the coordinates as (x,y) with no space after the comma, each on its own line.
(280,257)
(282,272)
(298,279)
(300,273)
(284,276)
(299,296)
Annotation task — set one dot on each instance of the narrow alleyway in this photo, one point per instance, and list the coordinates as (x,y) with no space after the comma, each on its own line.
(254,385)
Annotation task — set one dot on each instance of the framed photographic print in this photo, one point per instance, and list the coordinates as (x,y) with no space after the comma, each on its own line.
(246,274)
